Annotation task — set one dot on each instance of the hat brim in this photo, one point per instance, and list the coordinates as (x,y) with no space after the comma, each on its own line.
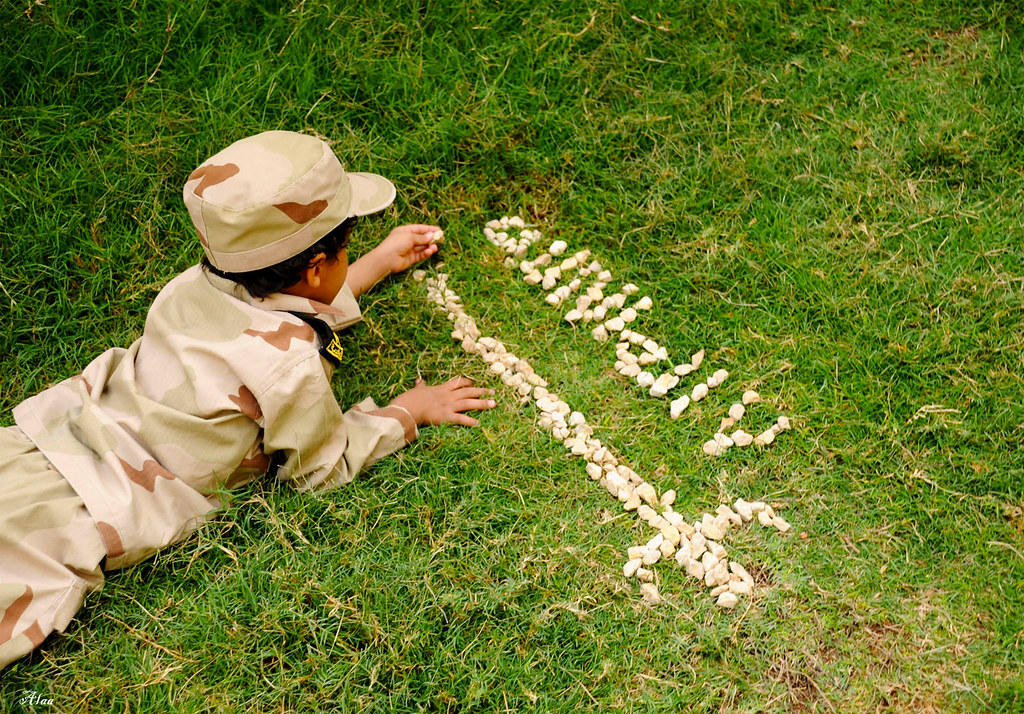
(370,193)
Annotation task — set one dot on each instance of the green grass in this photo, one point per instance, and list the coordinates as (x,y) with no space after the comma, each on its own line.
(826,197)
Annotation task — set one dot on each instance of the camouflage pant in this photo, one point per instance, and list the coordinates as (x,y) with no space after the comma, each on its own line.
(50,550)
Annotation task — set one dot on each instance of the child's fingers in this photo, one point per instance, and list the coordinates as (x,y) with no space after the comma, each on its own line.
(463,420)
(473,392)
(468,405)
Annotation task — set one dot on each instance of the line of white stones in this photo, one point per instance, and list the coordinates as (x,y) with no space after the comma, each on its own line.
(695,546)
(593,305)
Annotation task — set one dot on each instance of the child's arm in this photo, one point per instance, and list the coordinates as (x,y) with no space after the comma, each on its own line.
(405,246)
(444,403)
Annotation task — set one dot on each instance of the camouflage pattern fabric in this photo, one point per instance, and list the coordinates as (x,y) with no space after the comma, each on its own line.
(270,196)
(218,384)
(50,550)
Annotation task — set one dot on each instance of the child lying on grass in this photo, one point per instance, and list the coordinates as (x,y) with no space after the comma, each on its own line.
(230,379)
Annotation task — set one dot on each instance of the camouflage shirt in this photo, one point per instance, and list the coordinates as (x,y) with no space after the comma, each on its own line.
(218,384)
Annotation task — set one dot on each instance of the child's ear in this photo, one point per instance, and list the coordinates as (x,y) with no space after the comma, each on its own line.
(312,274)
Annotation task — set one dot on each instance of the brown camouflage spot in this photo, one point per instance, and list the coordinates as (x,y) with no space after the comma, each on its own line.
(259,462)
(246,402)
(35,634)
(13,612)
(302,212)
(111,539)
(148,475)
(324,308)
(282,337)
(211,175)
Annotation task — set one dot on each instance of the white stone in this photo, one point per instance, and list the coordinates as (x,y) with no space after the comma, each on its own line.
(672,536)
(650,345)
(498,368)
(764,519)
(658,390)
(713,531)
(698,544)
(742,438)
(699,392)
(695,569)
(739,587)
(713,448)
(644,303)
(719,589)
(599,313)
(583,302)
(683,369)
(644,575)
(696,359)
(633,502)
(781,524)
(783,423)
(533,278)
(599,333)
(630,289)
(653,555)
(764,438)
(736,411)
(650,593)
(615,324)
(727,600)
(724,441)
(743,509)
(558,247)
(628,315)
(726,423)
(573,315)
(632,370)
(419,275)
(739,570)
(668,498)
(677,406)
(750,397)
(647,493)
(646,358)
(734,518)
(645,379)
(717,550)
(631,566)
(569,264)
(713,382)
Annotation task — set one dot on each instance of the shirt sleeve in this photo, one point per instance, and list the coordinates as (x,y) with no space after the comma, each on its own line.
(324,447)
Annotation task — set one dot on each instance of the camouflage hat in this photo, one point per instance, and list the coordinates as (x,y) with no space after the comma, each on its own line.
(270,196)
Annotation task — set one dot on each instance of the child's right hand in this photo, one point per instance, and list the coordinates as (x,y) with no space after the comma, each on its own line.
(445,403)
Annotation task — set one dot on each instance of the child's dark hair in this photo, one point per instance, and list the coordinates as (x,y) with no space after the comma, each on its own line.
(265,281)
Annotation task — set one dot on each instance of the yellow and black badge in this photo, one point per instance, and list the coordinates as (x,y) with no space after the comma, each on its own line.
(334,349)
(330,343)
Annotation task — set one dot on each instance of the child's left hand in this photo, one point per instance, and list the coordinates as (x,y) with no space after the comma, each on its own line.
(407,245)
